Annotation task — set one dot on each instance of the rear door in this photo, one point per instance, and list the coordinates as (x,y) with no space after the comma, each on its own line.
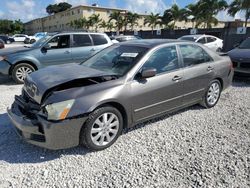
(58,53)
(212,43)
(162,92)
(198,71)
(82,47)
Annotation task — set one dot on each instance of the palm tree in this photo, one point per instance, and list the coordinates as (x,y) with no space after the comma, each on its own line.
(103,25)
(94,21)
(118,18)
(80,23)
(192,12)
(132,19)
(109,26)
(208,9)
(174,14)
(152,21)
(238,6)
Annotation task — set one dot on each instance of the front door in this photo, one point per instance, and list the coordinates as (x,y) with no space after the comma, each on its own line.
(161,93)
(198,72)
(58,51)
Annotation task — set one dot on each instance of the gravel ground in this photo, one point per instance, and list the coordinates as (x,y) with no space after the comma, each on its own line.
(195,147)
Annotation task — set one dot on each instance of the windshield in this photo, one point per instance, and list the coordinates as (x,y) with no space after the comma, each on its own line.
(40,42)
(188,38)
(117,59)
(245,44)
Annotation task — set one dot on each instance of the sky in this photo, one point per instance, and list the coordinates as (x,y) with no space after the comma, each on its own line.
(26,10)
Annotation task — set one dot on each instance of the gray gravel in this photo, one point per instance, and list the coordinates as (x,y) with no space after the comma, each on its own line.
(195,147)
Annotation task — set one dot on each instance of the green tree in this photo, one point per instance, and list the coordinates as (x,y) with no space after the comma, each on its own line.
(118,18)
(110,26)
(103,25)
(55,8)
(132,19)
(208,9)
(79,24)
(152,21)
(174,14)
(239,6)
(11,27)
(94,21)
(192,13)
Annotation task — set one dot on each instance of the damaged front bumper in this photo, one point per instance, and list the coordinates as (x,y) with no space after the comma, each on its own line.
(36,130)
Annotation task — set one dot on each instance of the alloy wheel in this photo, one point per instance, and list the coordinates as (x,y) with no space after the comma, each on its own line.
(22,72)
(105,129)
(213,93)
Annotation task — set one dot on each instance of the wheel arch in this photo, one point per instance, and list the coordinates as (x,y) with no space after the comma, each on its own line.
(221,82)
(24,61)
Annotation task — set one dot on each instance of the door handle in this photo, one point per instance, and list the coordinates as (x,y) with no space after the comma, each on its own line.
(92,50)
(210,68)
(176,78)
(67,52)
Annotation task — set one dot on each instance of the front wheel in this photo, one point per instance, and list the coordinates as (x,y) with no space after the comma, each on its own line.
(102,128)
(212,94)
(20,72)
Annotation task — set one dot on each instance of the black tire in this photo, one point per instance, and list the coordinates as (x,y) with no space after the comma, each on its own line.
(85,135)
(205,102)
(16,68)
(32,41)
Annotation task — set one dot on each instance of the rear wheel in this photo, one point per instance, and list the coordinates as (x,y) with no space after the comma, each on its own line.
(20,72)
(212,94)
(102,128)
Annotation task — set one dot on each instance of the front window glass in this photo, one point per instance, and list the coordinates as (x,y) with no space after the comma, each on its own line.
(41,41)
(163,60)
(245,44)
(58,42)
(202,40)
(117,59)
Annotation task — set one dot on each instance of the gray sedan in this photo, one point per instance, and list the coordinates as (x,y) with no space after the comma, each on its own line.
(127,83)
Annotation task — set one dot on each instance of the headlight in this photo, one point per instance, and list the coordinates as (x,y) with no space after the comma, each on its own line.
(59,111)
(2,58)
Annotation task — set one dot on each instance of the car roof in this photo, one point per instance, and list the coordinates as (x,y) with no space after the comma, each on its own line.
(82,32)
(150,43)
(198,35)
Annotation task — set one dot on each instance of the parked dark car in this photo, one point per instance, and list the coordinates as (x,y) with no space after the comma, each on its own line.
(1,44)
(124,38)
(6,39)
(124,84)
(240,57)
(61,48)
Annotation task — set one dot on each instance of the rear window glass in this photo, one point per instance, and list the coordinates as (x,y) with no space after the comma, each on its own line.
(211,39)
(81,40)
(99,39)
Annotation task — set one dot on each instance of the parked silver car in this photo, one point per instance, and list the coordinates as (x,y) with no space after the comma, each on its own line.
(58,49)
(124,84)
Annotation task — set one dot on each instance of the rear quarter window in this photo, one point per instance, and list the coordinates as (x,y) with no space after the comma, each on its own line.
(99,39)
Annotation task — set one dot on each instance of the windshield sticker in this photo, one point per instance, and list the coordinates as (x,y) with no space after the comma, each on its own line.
(129,54)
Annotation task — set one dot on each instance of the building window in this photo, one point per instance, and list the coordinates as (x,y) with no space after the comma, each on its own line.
(72,12)
(79,11)
(92,11)
(108,12)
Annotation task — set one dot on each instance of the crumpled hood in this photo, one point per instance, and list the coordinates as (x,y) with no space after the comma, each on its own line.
(238,53)
(37,83)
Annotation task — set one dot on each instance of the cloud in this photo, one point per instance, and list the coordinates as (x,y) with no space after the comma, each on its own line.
(24,10)
(73,2)
(146,6)
(224,16)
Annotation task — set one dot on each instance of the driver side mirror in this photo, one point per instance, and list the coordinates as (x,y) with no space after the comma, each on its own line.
(46,47)
(148,73)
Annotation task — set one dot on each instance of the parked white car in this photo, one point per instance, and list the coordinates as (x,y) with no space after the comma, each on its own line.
(19,37)
(210,41)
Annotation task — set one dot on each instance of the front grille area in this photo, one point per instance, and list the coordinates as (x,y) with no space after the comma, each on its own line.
(245,65)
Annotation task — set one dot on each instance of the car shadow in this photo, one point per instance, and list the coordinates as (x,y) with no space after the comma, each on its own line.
(14,150)
(6,80)
(240,81)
